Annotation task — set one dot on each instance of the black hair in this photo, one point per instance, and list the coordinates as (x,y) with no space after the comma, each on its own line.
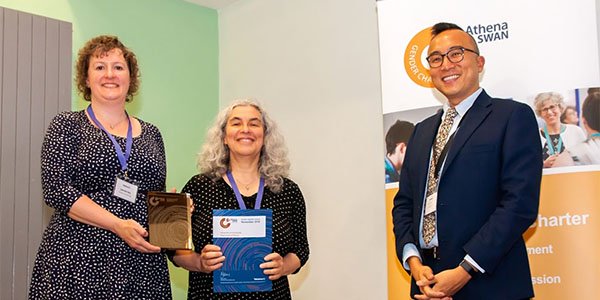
(398,133)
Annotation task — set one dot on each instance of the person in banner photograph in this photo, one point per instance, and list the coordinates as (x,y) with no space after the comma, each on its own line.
(556,138)
(93,161)
(570,116)
(469,185)
(244,149)
(588,152)
(396,140)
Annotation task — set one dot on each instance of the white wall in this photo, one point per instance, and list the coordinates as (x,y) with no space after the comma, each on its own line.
(314,64)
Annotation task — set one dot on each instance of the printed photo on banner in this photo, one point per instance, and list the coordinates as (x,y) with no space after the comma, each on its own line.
(397,129)
(569,123)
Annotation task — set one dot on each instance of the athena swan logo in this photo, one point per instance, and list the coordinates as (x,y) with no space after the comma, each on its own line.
(415,55)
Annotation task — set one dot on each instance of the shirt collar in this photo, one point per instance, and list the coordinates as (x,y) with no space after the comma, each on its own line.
(464,106)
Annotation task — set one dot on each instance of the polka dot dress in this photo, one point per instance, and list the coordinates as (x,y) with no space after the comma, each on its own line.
(79,261)
(289,231)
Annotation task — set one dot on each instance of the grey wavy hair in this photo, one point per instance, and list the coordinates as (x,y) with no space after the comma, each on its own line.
(555,98)
(273,165)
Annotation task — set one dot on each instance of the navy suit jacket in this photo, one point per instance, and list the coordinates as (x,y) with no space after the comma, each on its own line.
(488,195)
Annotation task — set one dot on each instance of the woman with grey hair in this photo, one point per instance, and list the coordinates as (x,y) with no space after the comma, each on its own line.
(556,137)
(243,163)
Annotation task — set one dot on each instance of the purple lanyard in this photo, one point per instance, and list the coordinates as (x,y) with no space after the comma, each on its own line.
(238,196)
(122,157)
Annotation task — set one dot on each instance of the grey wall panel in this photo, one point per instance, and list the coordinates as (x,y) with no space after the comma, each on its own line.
(38,71)
(3,277)
(21,222)
(7,152)
(35,85)
(1,60)
(51,95)
(65,32)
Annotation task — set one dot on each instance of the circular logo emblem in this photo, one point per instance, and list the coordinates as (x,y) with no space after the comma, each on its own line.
(414,58)
(153,201)
(225,222)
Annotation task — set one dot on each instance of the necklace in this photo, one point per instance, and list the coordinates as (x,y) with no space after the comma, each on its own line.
(113,126)
(246,186)
(238,196)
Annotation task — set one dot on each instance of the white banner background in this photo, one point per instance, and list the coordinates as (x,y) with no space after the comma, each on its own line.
(551,46)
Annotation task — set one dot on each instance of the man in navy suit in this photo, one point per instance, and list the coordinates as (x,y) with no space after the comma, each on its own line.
(487,184)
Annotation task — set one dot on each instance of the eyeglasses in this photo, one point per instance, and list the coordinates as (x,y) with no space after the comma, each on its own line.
(454,55)
(549,108)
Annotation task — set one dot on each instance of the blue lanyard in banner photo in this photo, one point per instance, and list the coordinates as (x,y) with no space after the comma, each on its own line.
(124,188)
(238,196)
(549,142)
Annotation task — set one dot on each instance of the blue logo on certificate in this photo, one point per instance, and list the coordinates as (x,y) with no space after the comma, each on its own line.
(245,238)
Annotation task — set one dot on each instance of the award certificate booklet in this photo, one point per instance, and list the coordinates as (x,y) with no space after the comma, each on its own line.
(245,238)
(169,220)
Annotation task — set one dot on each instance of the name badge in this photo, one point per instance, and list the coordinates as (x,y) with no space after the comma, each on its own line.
(125,190)
(430,203)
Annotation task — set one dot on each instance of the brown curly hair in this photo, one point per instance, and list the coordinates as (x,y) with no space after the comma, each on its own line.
(99,46)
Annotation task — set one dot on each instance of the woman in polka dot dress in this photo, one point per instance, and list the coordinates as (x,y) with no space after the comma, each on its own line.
(245,144)
(97,165)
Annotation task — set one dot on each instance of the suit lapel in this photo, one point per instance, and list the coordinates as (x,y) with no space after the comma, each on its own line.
(474,117)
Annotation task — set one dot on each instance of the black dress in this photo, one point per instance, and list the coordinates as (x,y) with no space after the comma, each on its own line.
(79,261)
(554,139)
(289,231)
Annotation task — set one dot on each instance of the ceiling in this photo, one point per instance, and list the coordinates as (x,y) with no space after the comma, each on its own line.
(215,4)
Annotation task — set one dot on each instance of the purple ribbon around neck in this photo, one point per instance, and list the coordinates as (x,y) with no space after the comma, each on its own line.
(238,196)
(123,157)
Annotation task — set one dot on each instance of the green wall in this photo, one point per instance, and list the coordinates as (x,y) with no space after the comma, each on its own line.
(176,43)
